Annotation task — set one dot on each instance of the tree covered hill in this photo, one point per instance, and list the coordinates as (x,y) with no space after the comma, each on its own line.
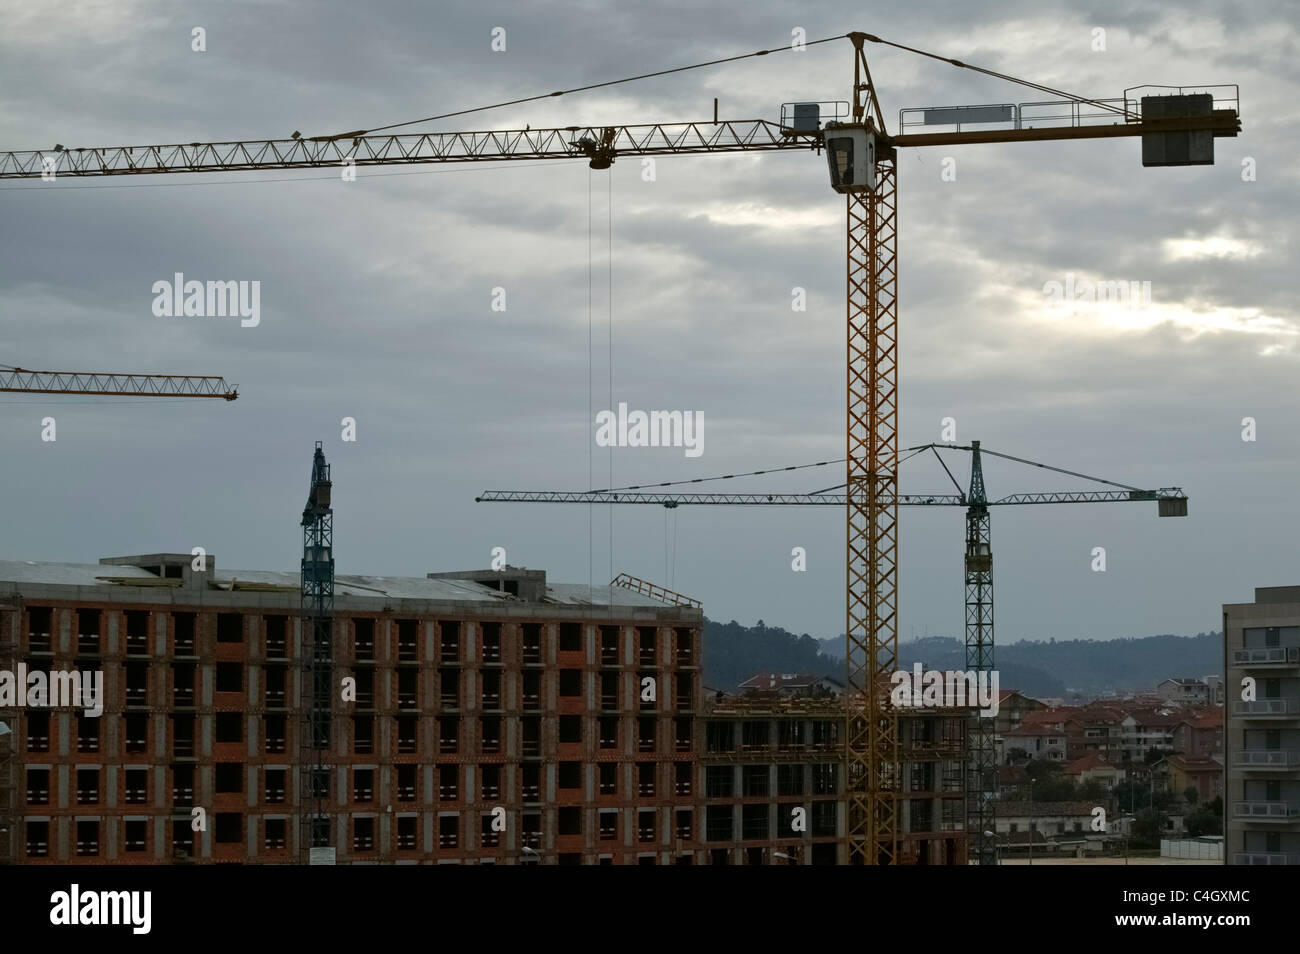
(733,653)
(1051,667)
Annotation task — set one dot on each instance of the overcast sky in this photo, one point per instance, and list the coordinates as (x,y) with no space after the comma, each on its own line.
(376,301)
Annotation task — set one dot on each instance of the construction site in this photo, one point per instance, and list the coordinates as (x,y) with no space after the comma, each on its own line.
(492,722)
(495,716)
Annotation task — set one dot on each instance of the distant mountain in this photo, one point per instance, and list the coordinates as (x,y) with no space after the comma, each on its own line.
(1057,668)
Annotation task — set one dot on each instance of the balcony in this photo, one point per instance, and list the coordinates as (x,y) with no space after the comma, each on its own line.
(1266,858)
(1285,812)
(1266,759)
(1271,656)
(1267,709)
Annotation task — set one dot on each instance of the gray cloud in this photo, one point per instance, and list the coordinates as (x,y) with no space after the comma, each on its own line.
(375,302)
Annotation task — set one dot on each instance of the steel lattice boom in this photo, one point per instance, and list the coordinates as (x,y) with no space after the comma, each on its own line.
(820,500)
(121,385)
(570,142)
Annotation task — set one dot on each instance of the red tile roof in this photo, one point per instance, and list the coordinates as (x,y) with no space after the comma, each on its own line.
(1205,718)
(1093,760)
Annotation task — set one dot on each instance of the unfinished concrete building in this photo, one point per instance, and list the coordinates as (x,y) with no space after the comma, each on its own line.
(772,775)
(492,717)
(482,717)
(774,787)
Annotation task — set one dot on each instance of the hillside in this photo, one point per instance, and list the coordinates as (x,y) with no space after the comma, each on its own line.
(1053,668)
(733,653)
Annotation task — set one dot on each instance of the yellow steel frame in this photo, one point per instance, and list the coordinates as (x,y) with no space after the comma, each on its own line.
(872,770)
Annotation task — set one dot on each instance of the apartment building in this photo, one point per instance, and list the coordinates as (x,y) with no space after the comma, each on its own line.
(1262,732)
(1200,732)
(1186,691)
(481,715)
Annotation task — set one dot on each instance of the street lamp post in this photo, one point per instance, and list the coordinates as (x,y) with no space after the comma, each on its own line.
(1031,821)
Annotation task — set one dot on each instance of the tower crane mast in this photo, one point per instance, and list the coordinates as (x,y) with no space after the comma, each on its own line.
(316,687)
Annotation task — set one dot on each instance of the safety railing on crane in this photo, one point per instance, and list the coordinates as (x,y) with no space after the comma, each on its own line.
(1058,113)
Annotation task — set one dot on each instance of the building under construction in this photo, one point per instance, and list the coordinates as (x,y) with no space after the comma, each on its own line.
(482,717)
